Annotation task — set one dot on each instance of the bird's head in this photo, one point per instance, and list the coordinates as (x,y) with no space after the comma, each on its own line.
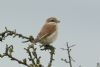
(52,19)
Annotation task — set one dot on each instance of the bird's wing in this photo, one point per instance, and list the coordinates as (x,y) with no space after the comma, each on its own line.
(47,30)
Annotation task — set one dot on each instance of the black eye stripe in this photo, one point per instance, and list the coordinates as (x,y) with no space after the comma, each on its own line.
(52,20)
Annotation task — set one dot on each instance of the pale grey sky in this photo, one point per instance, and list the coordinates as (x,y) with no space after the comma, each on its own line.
(80,24)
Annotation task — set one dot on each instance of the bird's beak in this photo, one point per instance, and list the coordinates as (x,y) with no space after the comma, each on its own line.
(58,21)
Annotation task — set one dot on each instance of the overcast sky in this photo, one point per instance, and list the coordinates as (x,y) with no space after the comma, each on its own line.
(80,25)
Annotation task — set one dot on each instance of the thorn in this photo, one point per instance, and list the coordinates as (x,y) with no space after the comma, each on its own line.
(6,28)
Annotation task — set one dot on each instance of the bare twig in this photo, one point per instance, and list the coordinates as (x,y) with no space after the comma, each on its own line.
(70,59)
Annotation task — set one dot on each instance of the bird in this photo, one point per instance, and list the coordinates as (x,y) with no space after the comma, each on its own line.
(49,31)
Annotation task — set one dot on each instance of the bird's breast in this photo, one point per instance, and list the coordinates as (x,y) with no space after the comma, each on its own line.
(51,38)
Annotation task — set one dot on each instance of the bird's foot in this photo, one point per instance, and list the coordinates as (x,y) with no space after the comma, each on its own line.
(47,47)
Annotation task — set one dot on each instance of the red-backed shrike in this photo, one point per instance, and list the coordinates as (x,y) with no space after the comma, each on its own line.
(49,32)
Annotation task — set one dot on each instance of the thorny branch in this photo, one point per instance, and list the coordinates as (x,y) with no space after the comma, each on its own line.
(70,59)
(8,53)
(7,33)
(31,50)
(52,52)
(32,56)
